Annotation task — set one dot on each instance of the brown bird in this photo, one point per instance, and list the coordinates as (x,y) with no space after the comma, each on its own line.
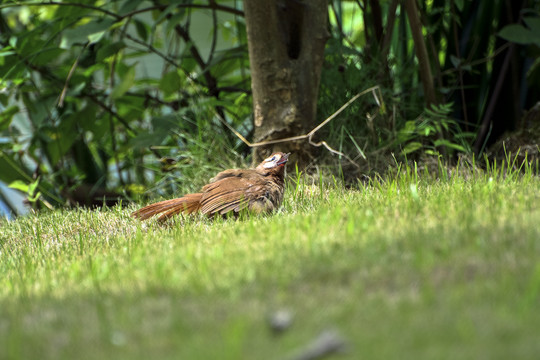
(257,190)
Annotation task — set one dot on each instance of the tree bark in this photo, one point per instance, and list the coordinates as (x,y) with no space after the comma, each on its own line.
(286,40)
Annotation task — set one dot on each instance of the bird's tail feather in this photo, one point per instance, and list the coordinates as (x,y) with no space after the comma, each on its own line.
(188,203)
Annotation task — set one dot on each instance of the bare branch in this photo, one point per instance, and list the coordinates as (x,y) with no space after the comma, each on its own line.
(214,34)
(309,135)
(70,74)
(213,6)
(57,3)
(421,52)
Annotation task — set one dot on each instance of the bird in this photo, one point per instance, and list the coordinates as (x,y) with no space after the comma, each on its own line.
(258,190)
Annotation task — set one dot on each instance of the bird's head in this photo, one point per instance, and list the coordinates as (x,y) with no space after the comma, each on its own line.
(274,161)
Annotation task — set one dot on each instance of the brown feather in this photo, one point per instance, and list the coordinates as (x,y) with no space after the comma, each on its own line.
(259,190)
(189,203)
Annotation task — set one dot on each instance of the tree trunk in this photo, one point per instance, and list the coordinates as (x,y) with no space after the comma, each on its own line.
(286,41)
(421,52)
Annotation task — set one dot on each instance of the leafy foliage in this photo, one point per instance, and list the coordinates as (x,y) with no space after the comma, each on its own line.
(478,97)
(94,93)
(425,133)
(521,34)
(102,99)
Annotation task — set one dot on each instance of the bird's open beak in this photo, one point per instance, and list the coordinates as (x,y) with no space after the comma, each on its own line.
(284,159)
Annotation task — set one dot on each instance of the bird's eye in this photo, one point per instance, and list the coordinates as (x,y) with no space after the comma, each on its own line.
(272,158)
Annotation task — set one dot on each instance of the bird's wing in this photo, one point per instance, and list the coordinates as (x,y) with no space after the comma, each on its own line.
(232,173)
(230,194)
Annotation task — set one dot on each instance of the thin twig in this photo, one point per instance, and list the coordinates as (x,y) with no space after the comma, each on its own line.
(151,48)
(459,68)
(490,57)
(110,110)
(70,74)
(45,3)
(213,6)
(165,57)
(487,120)
(214,34)
(312,132)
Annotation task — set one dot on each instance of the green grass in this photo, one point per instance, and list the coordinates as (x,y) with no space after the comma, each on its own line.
(408,267)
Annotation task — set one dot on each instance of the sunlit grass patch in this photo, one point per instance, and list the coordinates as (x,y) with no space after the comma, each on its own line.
(406,266)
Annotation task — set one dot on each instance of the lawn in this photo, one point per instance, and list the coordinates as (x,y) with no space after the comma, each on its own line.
(406,267)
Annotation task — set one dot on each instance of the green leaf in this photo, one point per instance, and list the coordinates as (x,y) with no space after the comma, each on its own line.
(34,198)
(6,116)
(87,119)
(165,122)
(448,144)
(93,31)
(124,85)
(163,14)
(521,35)
(129,6)
(4,99)
(188,63)
(33,186)
(175,19)
(46,56)
(145,140)
(459,4)
(407,131)
(240,99)
(412,147)
(515,33)
(5,52)
(170,83)
(455,61)
(29,189)
(10,170)
(59,141)
(109,50)
(19,185)
(141,29)
(95,37)
(131,107)
(533,23)
(226,62)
